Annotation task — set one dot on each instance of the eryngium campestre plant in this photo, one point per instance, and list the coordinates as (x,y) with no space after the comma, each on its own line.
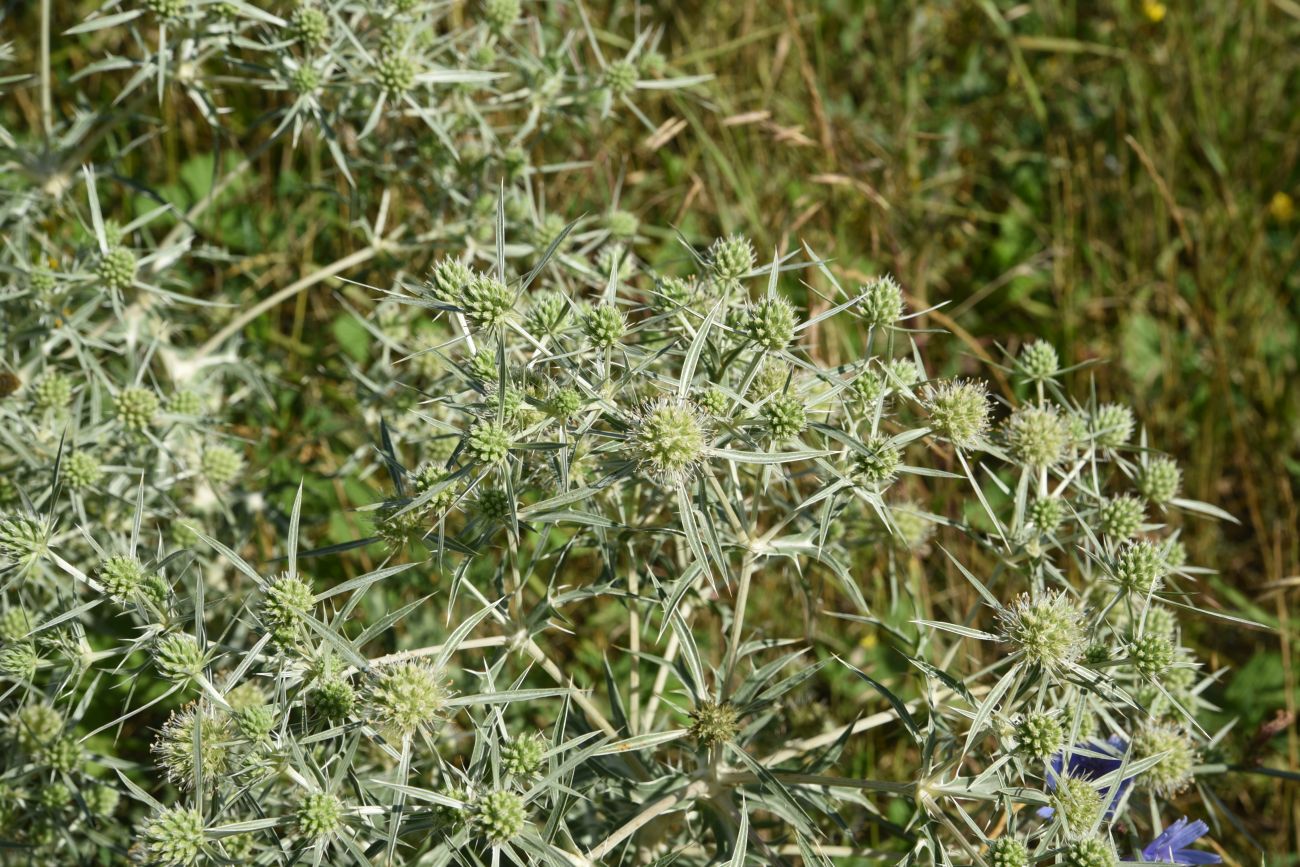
(580,452)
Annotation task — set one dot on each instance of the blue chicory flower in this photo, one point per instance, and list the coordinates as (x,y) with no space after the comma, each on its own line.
(1171,846)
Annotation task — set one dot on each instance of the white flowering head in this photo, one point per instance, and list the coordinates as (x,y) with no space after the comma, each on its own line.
(1048,629)
(668,440)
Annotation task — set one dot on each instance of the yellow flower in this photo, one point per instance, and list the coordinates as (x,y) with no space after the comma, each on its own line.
(1281,207)
(1154,10)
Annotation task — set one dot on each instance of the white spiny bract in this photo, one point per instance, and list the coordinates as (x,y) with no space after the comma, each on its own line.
(596,478)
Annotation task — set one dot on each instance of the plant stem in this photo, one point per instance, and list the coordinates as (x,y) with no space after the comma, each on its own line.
(365,254)
(657,808)
(47,95)
(737,624)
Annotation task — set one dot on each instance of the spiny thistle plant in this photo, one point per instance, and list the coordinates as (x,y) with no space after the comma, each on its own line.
(574,445)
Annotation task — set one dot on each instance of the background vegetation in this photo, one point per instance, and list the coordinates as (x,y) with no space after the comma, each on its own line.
(1117,178)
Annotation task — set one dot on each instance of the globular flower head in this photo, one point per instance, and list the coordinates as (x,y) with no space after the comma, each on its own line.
(247,694)
(487,301)
(319,815)
(1121,517)
(668,439)
(23,537)
(1175,554)
(1140,567)
(1159,620)
(65,754)
(179,658)
(712,401)
(621,77)
(221,464)
(174,746)
(1046,513)
(868,387)
(770,378)
(714,723)
(1036,436)
(770,323)
(523,756)
(1159,480)
(488,442)
(615,259)
(15,624)
(121,576)
(959,410)
(1173,772)
(19,660)
(500,816)
(622,224)
(1152,654)
(408,697)
(116,269)
(674,292)
(604,325)
(1039,734)
(1048,630)
(910,529)
(1008,852)
(399,526)
(395,74)
(878,464)
(1038,361)
(428,475)
(881,303)
(652,62)
(309,26)
(730,258)
(135,407)
(55,796)
(547,231)
(175,836)
(288,600)
(101,800)
(483,366)
(494,505)
(1091,852)
(333,698)
(784,416)
(455,818)
(82,471)
(1079,802)
(53,391)
(166,9)
(304,80)
(185,402)
(36,726)
(546,313)
(1112,425)
(500,14)
(903,372)
(564,403)
(449,280)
